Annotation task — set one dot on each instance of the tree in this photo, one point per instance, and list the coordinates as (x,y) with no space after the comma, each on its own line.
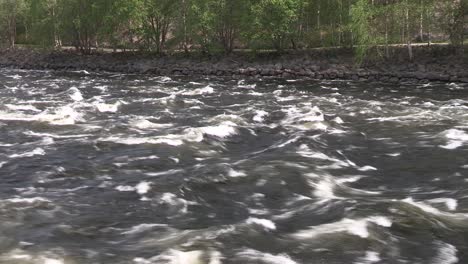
(459,11)
(157,17)
(202,18)
(274,20)
(221,25)
(121,23)
(10,11)
(43,23)
(227,21)
(83,23)
(361,13)
(405,7)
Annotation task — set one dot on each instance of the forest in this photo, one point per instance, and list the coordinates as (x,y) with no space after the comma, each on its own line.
(223,26)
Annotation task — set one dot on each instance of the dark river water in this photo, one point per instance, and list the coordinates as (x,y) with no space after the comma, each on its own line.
(102,168)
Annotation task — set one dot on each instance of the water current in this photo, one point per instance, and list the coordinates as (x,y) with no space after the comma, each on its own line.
(112,168)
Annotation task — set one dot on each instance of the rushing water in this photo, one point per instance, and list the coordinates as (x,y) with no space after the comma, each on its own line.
(139,169)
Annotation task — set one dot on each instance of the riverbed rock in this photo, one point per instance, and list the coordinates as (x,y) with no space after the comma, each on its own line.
(450,69)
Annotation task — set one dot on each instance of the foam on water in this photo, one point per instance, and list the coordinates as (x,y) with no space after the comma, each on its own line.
(19,256)
(353,227)
(260,116)
(380,220)
(264,258)
(417,116)
(304,113)
(325,185)
(15,76)
(305,151)
(52,261)
(223,130)
(233,173)
(173,256)
(32,200)
(447,254)
(75,94)
(432,210)
(324,189)
(225,165)
(85,72)
(241,84)
(253,93)
(169,140)
(357,227)
(65,115)
(50,135)
(22,107)
(125,188)
(165,79)
(175,202)
(102,88)
(168,172)
(142,228)
(143,188)
(144,158)
(200,91)
(370,258)
(367,168)
(145,124)
(108,108)
(232,118)
(265,223)
(455,86)
(449,202)
(34,152)
(304,118)
(456,138)
(338,120)
(7,116)
(47,141)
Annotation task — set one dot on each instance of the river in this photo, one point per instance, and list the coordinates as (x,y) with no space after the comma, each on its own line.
(111,168)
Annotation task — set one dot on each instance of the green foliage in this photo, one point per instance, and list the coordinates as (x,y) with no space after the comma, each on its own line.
(11,14)
(42,21)
(274,21)
(361,13)
(214,26)
(156,18)
(121,23)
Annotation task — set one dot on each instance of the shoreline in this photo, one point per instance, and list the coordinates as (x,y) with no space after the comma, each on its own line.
(313,65)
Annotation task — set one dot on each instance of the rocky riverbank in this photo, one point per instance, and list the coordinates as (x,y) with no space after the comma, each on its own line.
(429,66)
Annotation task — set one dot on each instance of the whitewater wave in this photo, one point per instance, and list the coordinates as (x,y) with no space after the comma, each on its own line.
(357,227)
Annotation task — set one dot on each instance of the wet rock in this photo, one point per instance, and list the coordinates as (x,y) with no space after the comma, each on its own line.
(315,68)
(288,66)
(286,75)
(265,72)
(420,75)
(383,78)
